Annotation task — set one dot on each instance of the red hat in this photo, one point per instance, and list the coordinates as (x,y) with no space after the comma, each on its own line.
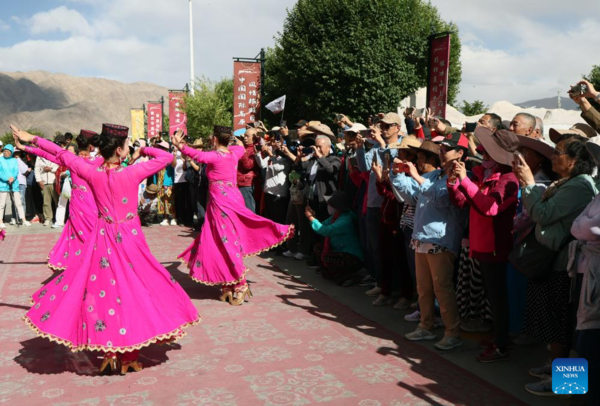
(87,133)
(456,140)
(115,130)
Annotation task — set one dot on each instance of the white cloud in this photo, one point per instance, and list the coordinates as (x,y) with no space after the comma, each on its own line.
(61,19)
(4,26)
(523,50)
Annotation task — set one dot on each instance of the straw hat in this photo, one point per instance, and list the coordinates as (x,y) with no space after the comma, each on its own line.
(538,145)
(580,128)
(152,189)
(198,143)
(406,143)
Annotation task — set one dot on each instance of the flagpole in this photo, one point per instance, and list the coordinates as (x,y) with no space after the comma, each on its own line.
(192,68)
(281,121)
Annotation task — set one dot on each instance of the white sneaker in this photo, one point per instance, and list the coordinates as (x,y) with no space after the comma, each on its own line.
(376,291)
(27,224)
(13,222)
(299,256)
(382,301)
(413,317)
(56,225)
(47,222)
(2,226)
(173,222)
(402,304)
(420,334)
(289,254)
(165,222)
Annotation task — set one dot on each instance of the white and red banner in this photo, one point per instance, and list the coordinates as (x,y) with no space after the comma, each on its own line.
(155,119)
(177,117)
(439,64)
(246,93)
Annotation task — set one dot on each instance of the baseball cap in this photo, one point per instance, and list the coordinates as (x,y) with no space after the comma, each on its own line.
(301,123)
(357,127)
(391,118)
(455,140)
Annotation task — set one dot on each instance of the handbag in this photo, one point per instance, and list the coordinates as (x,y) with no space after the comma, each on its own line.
(532,258)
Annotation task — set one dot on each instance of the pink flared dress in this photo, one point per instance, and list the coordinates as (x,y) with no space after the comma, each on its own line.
(83,214)
(231,232)
(117,297)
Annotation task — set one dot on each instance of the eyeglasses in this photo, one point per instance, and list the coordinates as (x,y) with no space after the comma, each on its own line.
(385,126)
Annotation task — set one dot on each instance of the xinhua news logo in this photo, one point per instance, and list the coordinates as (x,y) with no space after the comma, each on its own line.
(570,376)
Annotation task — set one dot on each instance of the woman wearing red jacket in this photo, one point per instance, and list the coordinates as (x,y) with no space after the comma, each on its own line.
(493,198)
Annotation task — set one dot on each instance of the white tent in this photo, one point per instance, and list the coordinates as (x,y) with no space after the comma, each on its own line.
(553,118)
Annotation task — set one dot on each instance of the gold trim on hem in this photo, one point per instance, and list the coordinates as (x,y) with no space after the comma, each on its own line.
(55,268)
(174,335)
(286,237)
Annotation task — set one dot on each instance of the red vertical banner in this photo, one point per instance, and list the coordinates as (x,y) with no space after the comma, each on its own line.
(177,117)
(439,64)
(246,93)
(155,119)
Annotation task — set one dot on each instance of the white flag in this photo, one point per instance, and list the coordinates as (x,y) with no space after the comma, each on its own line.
(277,105)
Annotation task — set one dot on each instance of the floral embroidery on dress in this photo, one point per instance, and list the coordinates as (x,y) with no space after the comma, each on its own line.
(109,344)
(78,252)
(109,251)
(124,200)
(84,294)
(80,232)
(223,226)
(37,306)
(65,288)
(111,312)
(194,251)
(90,309)
(101,231)
(52,297)
(42,293)
(72,236)
(134,231)
(45,316)
(99,169)
(104,263)
(59,279)
(93,278)
(223,214)
(123,331)
(198,264)
(224,239)
(84,326)
(102,293)
(113,282)
(66,255)
(119,300)
(130,215)
(100,325)
(119,238)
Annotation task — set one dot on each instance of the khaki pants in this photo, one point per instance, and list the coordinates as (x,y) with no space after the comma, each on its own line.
(50,196)
(4,197)
(434,280)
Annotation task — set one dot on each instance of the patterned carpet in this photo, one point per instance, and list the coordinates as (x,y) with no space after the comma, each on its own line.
(290,345)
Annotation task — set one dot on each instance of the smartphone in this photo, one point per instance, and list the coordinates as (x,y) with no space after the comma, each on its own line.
(277,136)
(578,89)
(284,123)
(388,159)
(365,133)
(419,113)
(518,155)
(470,127)
(376,158)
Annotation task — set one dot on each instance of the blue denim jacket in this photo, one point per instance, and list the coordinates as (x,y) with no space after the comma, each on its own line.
(437,220)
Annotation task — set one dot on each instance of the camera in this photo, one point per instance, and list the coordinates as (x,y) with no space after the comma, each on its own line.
(579,89)
(470,127)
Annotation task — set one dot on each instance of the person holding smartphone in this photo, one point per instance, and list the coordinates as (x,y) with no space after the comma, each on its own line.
(386,132)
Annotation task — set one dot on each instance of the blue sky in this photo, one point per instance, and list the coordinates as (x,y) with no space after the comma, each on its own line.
(515,50)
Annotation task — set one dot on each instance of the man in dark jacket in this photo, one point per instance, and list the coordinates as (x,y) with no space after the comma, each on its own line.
(321,176)
(248,169)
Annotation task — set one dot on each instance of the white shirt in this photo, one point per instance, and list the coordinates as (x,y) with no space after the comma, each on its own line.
(276,178)
(179,172)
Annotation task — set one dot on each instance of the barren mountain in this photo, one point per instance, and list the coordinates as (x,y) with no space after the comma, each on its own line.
(56,102)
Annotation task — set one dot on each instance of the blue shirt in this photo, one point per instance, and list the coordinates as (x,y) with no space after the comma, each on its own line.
(364,160)
(437,220)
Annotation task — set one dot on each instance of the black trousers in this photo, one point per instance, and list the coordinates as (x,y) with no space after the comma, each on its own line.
(184,210)
(276,207)
(496,291)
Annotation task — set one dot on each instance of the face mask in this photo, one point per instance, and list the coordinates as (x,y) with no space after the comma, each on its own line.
(331,210)
(488,164)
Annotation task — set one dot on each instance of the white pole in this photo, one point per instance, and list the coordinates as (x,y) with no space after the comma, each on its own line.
(192,69)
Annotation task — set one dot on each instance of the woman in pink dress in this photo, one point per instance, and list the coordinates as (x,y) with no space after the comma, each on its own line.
(117,298)
(231,232)
(83,212)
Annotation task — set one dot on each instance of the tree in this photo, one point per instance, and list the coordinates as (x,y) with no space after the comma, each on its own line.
(354,57)
(473,109)
(594,76)
(211,104)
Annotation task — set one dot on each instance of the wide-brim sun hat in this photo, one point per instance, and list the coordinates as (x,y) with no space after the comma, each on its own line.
(427,146)
(538,145)
(580,129)
(500,145)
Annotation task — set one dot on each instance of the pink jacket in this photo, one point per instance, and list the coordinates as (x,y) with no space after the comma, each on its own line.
(493,208)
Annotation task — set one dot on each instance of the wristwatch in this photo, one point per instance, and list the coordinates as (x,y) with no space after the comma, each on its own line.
(597,98)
